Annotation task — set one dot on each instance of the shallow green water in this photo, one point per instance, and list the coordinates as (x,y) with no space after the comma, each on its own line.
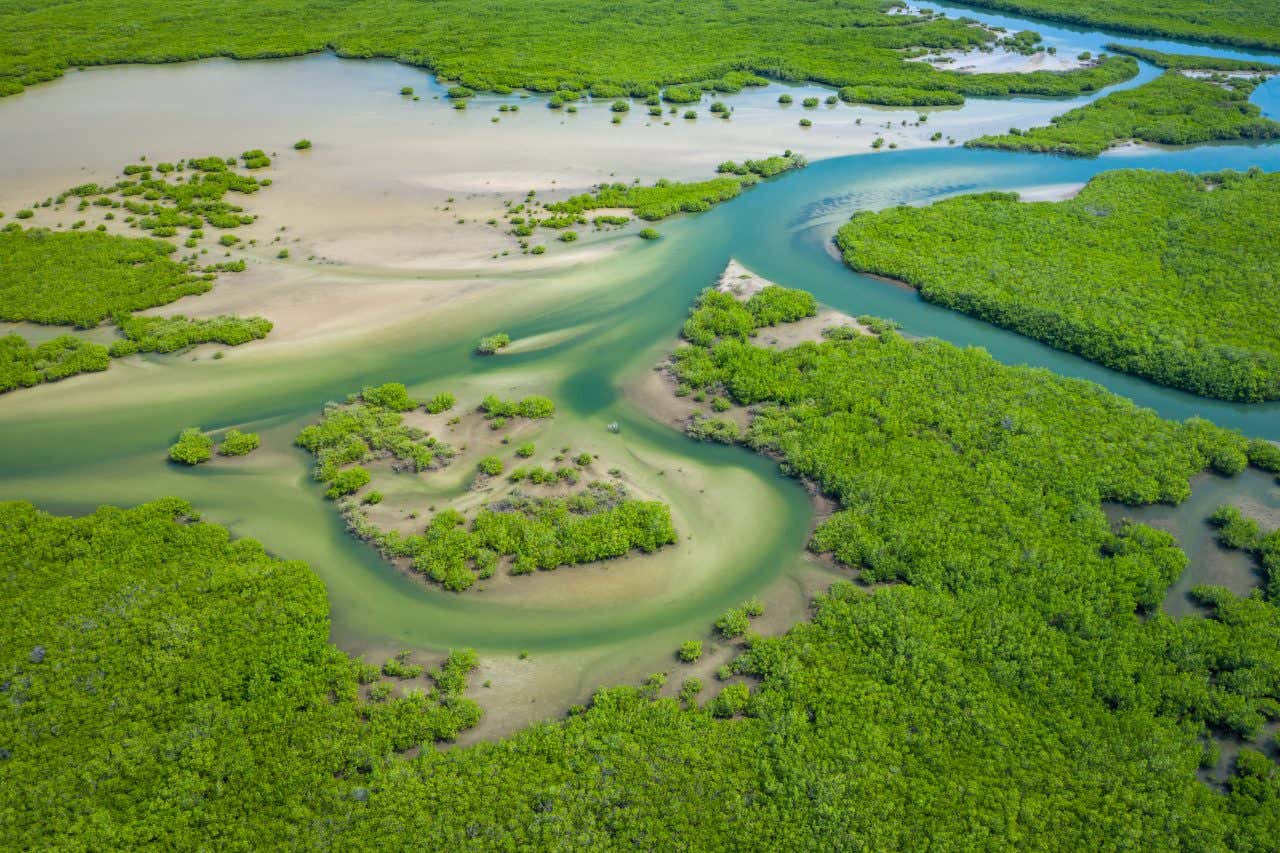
(73,446)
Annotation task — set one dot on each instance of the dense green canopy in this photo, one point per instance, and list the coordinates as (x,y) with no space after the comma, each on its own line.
(161,685)
(1172,109)
(82,277)
(23,365)
(1019,688)
(610,50)
(1143,271)
(1248,23)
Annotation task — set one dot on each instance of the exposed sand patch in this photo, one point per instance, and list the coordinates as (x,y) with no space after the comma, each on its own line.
(788,335)
(656,391)
(533,343)
(1001,60)
(740,281)
(1051,192)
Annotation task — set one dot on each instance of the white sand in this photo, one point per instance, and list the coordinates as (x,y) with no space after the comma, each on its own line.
(1051,192)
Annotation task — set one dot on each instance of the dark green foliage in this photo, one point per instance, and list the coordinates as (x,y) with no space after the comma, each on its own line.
(302,145)
(917,691)
(490,465)
(192,447)
(1235,530)
(612,51)
(22,365)
(491,344)
(237,443)
(657,202)
(347,481)
(893,96)
(538,533)
(1143,271)
(766,168)
(255,159)
(648,234)
(362,429)
(1170,110)
(169,334)
(666,198)
(82,277)
(179,672)
(690,651)
(1180,62)
(1264,454)
(193,199)
(399,667)
(976,470)
(533,407)
(1248,23)
(390,395)
(732,701)
(682,94)
(733,623)
(718,314)
(441,402)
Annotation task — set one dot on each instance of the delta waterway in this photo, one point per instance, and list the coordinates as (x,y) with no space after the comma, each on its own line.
(607,317)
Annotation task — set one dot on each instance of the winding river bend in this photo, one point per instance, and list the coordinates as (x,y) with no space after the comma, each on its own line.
(100,439)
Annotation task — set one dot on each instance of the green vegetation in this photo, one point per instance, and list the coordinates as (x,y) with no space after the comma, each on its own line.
(302,145)
(533,407)
(196,196)
(892,96)
(1247,23)
(1171,110)
(168,669)
(733,623)
(690,651)
(491,344)
(370,425)
(1237,531)
(666,198)
(22,365)
(165,686)
(441,402)
(719,314)
(1143,271)
(597,523)
(237,443)
(82,277)
(648,234)
(765,168)
(169,334)
(192,447)
(1181,62)
(611,51)
(490,465)
(347,481)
